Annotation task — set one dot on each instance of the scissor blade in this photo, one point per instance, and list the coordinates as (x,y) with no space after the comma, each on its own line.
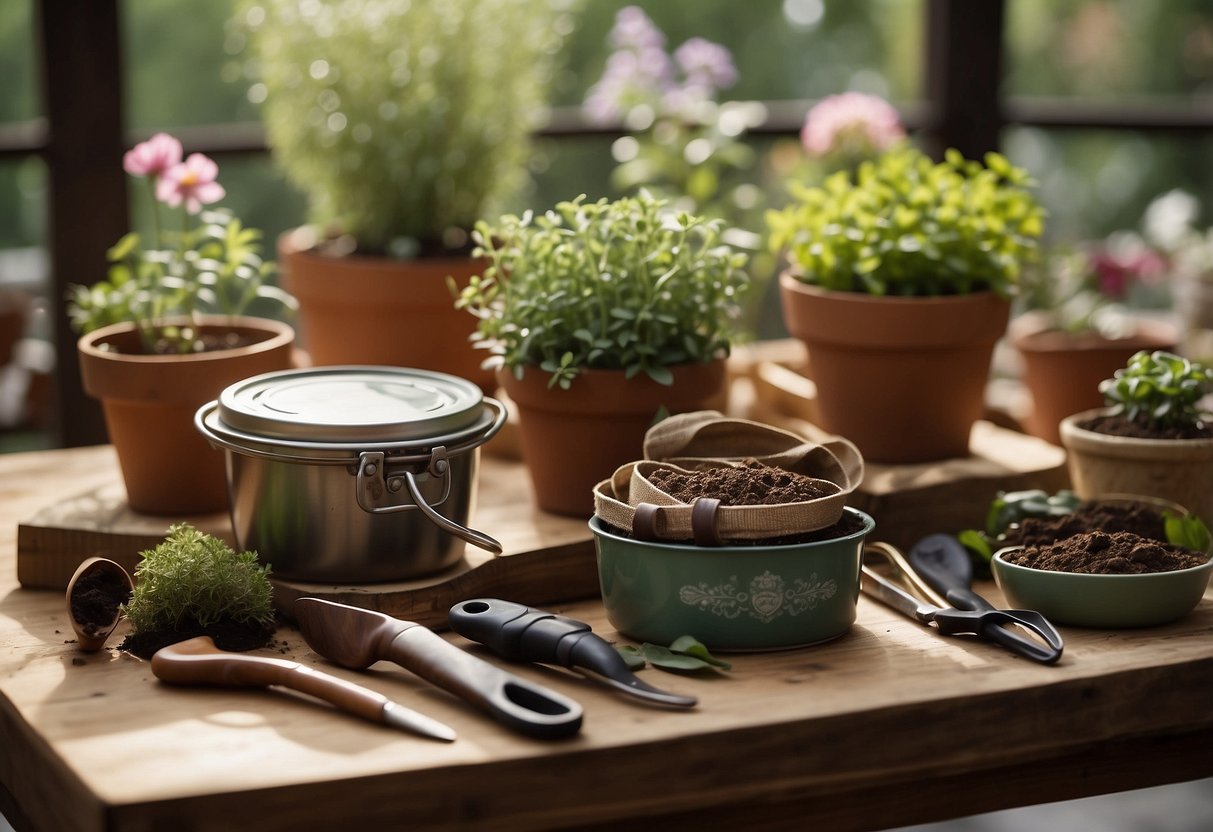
(887,592)
(398,716)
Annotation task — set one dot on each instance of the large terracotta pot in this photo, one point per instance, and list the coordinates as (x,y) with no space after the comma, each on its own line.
(1179,470)
(149,403)
(1062,370)
(903,378)
(376,310)
(572,439)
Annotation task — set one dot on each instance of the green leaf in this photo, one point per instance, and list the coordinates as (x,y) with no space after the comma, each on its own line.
(632,656)
(667,659)
(689,646)
(1187,531)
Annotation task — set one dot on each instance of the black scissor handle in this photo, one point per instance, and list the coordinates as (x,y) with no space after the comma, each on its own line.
(988,625)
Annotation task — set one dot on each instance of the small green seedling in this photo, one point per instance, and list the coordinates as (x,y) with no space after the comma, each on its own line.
(1159,390)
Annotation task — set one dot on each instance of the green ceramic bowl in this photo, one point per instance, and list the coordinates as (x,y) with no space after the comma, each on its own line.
(1104,601)
(730,597)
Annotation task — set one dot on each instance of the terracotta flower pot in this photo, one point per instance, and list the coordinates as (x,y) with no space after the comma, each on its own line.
(376,310)
(1062,370)
(1179,470)
(572,439)
(149,403)
(902,377)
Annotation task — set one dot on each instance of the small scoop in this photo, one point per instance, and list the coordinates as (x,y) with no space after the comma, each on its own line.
(357,638)
(94,596)
(519,633)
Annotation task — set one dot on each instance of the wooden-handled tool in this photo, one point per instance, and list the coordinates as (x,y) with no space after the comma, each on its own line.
(199,662)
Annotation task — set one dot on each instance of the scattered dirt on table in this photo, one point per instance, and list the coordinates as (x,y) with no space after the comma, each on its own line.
(749,484)
(1119,553)
(96,598)
(227,635)
(1122,426)
(1095,515)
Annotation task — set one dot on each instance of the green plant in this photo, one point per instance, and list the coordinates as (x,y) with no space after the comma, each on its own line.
(619,285)
(194,578)
(213,266)
(903,225)
(403,119)
(686,653)
(1159,390)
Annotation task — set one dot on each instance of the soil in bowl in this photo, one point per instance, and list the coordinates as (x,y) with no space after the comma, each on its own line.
(96,598)
(1120,425)
(1096,552)
(1094,515)
(749,484)
(849,524)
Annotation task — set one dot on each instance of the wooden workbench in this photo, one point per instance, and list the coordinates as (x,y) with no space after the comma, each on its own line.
(889,725)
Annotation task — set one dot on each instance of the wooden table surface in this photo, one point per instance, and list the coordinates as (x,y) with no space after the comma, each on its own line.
(889,725)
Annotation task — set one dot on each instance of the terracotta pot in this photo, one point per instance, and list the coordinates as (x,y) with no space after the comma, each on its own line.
(1062,370)
(572,439)
(376,310)
(1179,470)
(902,377)
(149,403)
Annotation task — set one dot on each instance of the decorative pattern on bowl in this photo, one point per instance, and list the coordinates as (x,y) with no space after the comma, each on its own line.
(769,596)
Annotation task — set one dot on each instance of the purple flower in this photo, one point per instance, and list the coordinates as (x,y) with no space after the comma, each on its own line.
(634,30)
(192,181)
(706,64)
(851,124)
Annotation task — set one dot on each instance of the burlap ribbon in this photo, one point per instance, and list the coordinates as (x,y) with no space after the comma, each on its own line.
(629,500)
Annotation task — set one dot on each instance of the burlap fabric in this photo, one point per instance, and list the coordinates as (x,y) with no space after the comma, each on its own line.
(707,439)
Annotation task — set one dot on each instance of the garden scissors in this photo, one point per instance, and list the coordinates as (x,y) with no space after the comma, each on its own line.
(986,624)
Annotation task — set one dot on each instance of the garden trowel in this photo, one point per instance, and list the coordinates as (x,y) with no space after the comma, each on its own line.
(357,638)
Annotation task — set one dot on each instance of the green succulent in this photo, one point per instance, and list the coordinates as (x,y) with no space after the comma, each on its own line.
(904,225)
(403,119)
(193,577)
(1159,389)
(622,285)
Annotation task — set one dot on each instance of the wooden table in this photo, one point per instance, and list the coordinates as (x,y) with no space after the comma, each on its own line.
(889,725)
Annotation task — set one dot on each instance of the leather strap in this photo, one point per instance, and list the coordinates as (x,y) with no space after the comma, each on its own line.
(703,521)
(644,522)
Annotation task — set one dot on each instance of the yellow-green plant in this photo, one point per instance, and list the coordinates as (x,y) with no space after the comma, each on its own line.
(193,578)
(905,225)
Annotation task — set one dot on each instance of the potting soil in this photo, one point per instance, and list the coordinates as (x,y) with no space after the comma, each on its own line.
(750,484)
(96,598)
(1122,426)
(1095,515)
(227,635)
(1119,553)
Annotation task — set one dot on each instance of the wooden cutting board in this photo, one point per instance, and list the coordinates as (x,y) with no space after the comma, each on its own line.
(547,558)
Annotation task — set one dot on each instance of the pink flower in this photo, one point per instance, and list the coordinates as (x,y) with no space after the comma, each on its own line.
(852,124)
(192,181)
(153,157)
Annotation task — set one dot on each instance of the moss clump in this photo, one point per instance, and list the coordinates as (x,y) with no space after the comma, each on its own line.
(195,579)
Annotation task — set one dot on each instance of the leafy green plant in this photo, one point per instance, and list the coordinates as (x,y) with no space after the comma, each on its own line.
(686,653)
(403,119)
(195,578)
(1159,389)
(1006,509)
(903,225)
(212,266)
(621,285)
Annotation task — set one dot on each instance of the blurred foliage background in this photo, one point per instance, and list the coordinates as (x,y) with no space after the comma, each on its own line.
(184,68)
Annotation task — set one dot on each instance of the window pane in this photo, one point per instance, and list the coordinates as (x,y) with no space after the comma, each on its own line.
(1110,48)
(18,100)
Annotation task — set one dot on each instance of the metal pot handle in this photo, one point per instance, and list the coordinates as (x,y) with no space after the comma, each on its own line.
(476,538)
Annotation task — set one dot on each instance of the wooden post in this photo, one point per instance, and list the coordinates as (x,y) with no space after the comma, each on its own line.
(964,65)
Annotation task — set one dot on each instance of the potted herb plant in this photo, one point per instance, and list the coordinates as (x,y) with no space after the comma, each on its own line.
(1153,438)
(403,123)
(898,282)
(165,333)
(600,316)
(1078,329)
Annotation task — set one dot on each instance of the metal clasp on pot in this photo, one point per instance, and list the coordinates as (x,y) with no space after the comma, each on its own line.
(425,489)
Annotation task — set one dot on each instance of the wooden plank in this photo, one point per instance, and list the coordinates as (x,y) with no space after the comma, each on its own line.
(547,558)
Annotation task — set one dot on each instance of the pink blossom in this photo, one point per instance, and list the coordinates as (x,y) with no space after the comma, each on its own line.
(192,181)
(706,64)
(153,157)
(1116,271)
(853,124)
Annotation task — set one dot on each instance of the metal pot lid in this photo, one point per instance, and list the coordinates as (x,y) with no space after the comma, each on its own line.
(350,405)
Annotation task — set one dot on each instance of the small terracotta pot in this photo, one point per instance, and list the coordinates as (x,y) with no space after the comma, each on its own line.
(376,310)
(572,439)
(902,377)
(1179,470)
(149,403)
(1062,370)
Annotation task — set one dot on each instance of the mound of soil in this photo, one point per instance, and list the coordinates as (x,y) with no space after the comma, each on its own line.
(1139,518)
(1120,553)
(1121,426)
(750,484)
(227,635)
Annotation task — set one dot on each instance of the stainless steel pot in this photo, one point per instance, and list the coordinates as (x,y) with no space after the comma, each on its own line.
(353,474)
